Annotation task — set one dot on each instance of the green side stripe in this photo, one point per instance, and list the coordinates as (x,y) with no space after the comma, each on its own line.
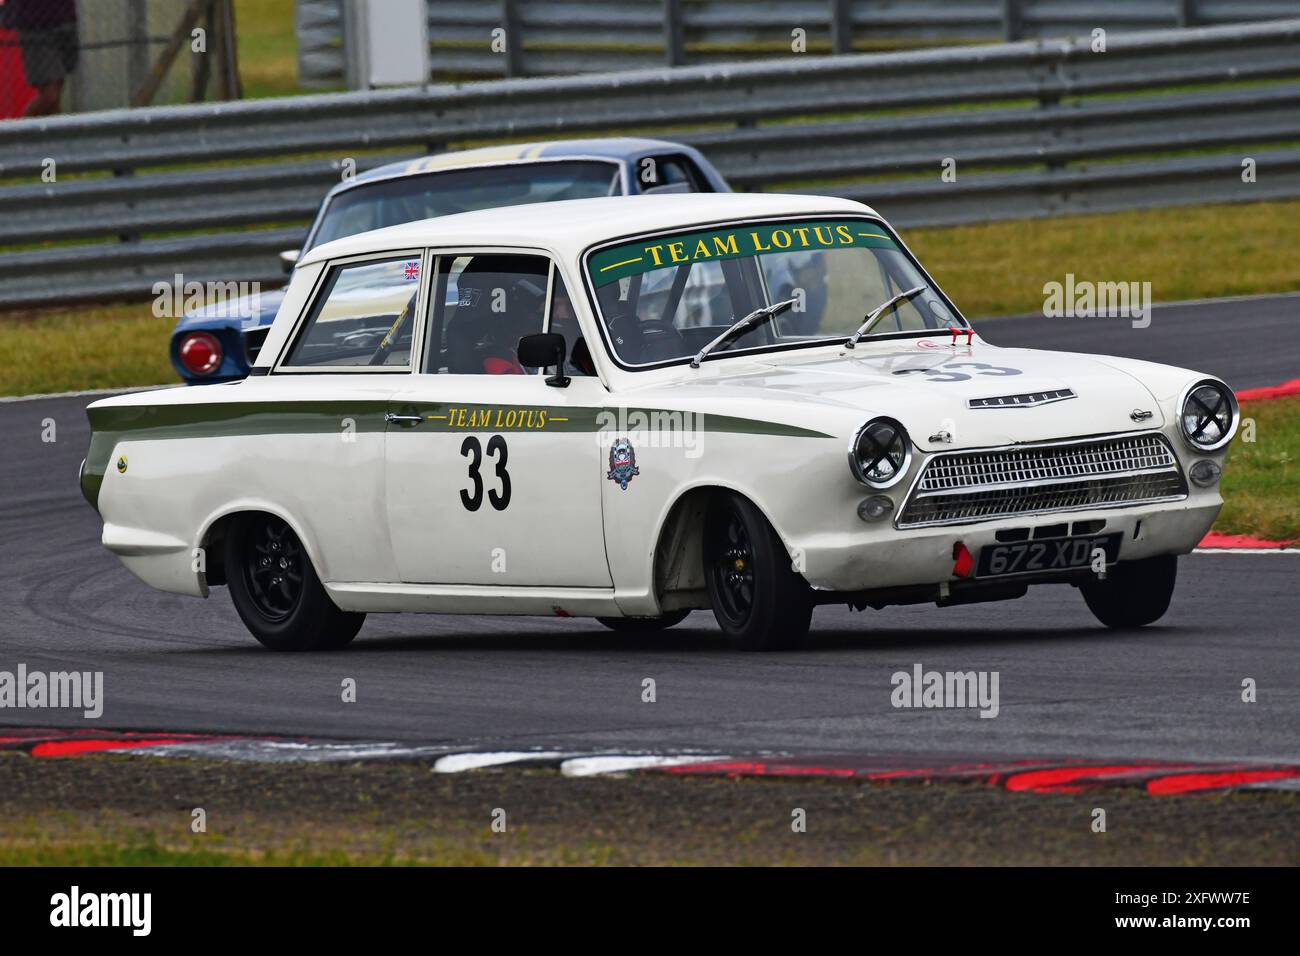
(111,425)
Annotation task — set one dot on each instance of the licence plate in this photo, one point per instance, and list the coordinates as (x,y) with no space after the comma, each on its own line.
(1054,554)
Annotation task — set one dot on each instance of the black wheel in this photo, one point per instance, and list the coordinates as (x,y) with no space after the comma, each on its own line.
(1133,593)
(760,602)
(641,625)
(276,591)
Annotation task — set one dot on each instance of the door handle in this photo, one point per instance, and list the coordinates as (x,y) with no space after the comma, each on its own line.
(392,419)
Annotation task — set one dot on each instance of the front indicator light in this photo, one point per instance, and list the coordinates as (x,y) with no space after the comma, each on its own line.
(1205,473)
(963,563)
(875,507)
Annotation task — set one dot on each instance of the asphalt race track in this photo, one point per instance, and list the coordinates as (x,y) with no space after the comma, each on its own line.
(1068,686)
(1250,342)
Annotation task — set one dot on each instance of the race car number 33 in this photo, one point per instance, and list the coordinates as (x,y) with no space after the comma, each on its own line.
(1058,554)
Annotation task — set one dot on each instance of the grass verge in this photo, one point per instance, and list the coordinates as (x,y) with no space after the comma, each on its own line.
(268,47)
(82,348)
(989,270)
(133,811)
(1261,492)
(1188,252)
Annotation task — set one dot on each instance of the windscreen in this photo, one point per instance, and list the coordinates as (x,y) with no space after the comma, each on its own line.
(665,297)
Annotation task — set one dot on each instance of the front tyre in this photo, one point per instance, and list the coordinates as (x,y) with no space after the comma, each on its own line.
(759,600)
(276,591)
(1134,593)
(643,625)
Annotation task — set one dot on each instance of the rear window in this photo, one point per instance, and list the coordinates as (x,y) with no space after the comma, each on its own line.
(391,202)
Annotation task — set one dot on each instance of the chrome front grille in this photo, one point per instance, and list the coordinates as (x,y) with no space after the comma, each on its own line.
(967,486)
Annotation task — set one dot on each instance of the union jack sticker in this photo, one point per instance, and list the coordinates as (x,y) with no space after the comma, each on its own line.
(412,270)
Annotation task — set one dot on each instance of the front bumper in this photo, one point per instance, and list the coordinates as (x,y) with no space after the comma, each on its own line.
(868,558)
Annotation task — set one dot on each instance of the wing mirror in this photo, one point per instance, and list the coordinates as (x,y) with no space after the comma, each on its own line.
(289,258)
(542,350)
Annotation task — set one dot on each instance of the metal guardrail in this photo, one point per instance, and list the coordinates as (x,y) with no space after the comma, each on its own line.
(1036,129)
(548,37)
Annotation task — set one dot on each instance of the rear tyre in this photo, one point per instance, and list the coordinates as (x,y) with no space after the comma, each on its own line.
(276,591)
(642,625)
(759,600)
(1134,593)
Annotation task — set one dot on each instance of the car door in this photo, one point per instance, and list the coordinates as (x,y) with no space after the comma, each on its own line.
(493,476)
(313,446)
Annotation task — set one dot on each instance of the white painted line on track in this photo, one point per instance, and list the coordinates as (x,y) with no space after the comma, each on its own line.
(1290,784)
(279,751)
(1246,551)
(621,763)
(459,763)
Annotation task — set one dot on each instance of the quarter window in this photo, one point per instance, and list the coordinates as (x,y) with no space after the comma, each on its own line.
(363,316)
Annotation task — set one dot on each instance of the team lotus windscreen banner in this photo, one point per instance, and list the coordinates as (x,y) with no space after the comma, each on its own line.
(735,242)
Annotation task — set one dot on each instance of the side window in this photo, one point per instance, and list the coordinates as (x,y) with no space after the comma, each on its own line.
(483,305)
(564,320)
(670,174)
(363,316)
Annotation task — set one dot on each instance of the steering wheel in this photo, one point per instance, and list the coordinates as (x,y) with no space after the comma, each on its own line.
(651,336)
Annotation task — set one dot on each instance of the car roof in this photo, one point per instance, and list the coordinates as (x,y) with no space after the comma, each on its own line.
(570,226)
(621,148)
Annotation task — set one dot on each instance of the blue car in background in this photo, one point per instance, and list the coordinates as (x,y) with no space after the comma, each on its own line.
(219,343)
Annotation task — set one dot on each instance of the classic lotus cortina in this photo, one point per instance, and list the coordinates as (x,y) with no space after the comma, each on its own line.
(630,408)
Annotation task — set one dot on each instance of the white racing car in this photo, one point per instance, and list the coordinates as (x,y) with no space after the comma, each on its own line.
(631,408)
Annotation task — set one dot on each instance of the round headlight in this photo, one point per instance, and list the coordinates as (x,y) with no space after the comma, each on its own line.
(880,453)
(1208,415)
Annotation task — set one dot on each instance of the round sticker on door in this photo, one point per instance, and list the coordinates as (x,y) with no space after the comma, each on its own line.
(622,463)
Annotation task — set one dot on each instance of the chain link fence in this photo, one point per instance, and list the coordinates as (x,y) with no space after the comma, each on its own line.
(72,56)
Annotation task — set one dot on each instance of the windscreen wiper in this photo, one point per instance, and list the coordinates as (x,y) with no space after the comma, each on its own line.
(874,316)
(753,320)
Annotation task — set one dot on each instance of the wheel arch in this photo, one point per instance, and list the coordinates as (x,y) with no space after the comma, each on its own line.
(677,561)
(212,536)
